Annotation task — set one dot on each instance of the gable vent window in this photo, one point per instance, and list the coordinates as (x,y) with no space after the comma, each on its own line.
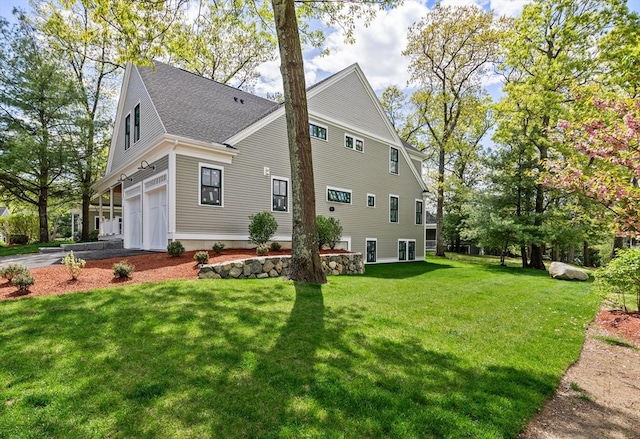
(136,123)
(318,131)
(393,161)
(127,132)
(336,195)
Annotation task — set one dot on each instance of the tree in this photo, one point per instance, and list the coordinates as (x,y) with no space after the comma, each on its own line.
(38,114)
(548,53)
(450,49)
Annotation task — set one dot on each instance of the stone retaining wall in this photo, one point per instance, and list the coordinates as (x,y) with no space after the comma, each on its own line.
(260,268)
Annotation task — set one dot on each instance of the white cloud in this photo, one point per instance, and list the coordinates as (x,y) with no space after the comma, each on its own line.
(510,8)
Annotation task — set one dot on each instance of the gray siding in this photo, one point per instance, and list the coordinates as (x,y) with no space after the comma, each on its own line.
(348,101)
(247,190)
(150,124)
(161,165)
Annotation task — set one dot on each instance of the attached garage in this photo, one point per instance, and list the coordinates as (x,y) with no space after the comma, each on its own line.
(154,208)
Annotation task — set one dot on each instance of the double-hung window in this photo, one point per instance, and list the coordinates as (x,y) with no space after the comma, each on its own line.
(211,186)
(371,200)
(136,123)
(419,211)
(394,201)
(127,132)
(318,131)
(280,189)
(393,160)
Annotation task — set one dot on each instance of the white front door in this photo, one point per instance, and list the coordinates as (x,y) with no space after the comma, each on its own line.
(155,214)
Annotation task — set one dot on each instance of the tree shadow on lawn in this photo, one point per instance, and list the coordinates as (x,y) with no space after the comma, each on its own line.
(403,270)
(242,363)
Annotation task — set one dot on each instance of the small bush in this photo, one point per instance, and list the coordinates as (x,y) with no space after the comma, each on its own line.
(329,231)
(23,281)
(201,257)
(175,249)
(262,227)
(218,247)
(10,271)
(275,246)
(262,250)
(73,265)
(123,270)
(621,276)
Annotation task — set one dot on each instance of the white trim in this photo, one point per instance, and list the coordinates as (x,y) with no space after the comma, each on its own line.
(275,177)
(355,140)
(366,241)
(171,207)
(398,197)
(391,148)
(132,191)
(223,237)
(161,179)
(349,191)
(311,122)
(417,200)
(116,127)
(210,166)
(406,241)
(375,201)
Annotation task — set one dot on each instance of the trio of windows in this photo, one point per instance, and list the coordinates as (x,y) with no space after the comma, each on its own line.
(136,127)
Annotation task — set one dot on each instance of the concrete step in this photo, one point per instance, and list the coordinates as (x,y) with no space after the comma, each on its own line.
(50,250)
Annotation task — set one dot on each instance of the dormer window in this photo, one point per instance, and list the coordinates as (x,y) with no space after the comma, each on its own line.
(136,123)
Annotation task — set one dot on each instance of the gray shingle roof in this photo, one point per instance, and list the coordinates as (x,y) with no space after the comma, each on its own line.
(410,147)
(4,211)
(199,108)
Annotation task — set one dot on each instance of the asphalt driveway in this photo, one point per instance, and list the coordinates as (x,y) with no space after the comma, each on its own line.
(35,260)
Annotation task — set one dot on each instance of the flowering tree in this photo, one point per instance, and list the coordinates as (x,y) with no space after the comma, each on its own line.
(603,159)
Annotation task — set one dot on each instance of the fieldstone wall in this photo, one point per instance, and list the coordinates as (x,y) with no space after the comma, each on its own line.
(260,268)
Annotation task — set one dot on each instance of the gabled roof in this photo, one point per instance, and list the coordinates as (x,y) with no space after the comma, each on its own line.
(4,211)
(199,108)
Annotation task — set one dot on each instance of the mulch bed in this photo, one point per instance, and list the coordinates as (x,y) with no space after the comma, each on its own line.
(625,324)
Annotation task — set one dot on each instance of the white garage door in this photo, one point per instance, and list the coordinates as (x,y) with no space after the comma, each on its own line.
(133,222)
(155,233)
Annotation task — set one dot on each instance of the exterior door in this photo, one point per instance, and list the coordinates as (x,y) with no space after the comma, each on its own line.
(155,232)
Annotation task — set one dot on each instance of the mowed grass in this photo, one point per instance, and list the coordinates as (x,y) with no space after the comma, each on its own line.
(438,349)
(13,250)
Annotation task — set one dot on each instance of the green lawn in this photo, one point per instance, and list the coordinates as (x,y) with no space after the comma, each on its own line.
(28,248)
(443,349)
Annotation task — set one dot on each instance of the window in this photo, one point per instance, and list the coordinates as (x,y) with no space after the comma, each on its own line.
(352,142)
(127,132)
(136,123)
(406,249)
(337,195)
(419,211)
(393,161)
(96,223)
(318,131)
(372,245)
(280,191)
(371,200)
(211,186)
(393,208)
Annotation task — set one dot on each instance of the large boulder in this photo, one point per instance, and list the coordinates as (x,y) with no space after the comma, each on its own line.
(559,270)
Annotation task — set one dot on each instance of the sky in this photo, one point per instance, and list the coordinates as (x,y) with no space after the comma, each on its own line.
(377,48)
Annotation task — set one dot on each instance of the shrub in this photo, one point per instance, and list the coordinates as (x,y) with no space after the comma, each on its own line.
(275,246)
(175,249)
(23,281)
(262,227)
(218,247)
(73,265)
(10,271)
(201,257)
(262,250)
(329,231)
(621,276)
(123,270)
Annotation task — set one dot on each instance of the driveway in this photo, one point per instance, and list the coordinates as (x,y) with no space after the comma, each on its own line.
(36,260)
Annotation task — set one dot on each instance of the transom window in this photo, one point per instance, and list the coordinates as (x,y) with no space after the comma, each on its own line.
(372,245)
(393,160)
(393,208)
(371,200)
(136,123)
(337,195)
(127,131)
(352,142)
(280,188)
(318,131)
(211,186)
(419,211)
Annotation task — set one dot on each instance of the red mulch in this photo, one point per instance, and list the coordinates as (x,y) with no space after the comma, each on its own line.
(625,324)
(99,274)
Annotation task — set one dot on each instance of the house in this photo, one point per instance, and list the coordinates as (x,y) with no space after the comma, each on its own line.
(191,159)
(4,211)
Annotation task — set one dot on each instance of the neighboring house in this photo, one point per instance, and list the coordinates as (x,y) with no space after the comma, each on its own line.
(4,211)
(191,159)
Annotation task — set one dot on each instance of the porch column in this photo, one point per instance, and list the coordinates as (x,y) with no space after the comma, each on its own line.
(111,203)
(100,228)
(73,226)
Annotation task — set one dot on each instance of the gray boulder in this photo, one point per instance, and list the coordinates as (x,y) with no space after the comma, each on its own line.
(559,270)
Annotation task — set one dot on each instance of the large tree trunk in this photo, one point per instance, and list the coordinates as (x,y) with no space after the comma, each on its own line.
(42,214)
(305,260)
(523,255)
(618,243)
(440,204)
